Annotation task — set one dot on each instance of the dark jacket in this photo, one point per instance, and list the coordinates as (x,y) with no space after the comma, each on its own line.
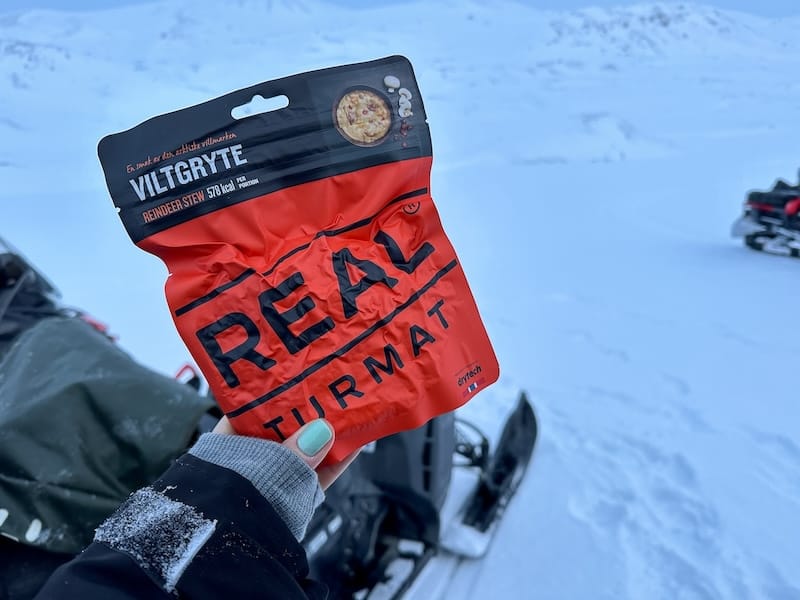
(200,531)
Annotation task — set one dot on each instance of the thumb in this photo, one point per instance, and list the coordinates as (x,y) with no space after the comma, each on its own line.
(312,441)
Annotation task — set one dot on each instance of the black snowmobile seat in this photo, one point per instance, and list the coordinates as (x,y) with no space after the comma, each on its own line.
(775,199)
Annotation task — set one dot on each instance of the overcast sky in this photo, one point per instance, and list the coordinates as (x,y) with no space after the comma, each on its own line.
(771,8)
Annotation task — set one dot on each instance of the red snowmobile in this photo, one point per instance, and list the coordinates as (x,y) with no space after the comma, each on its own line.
(771,220)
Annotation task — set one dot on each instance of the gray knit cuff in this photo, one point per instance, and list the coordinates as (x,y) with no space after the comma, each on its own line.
(288,483)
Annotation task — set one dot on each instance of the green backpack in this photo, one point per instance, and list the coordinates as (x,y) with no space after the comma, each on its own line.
(82,425)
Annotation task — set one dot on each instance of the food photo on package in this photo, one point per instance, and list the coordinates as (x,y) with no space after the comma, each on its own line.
(309,273)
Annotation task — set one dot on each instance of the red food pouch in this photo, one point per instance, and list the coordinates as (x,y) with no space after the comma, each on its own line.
(309,272)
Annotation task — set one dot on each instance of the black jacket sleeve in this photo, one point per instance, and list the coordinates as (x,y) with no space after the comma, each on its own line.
(200,531)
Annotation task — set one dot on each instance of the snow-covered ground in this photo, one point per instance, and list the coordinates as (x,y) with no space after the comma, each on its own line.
(587,168)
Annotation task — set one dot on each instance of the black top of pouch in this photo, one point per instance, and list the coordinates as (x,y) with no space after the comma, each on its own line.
(193,161)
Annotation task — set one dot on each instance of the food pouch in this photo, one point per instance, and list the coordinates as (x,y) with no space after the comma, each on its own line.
(309,274)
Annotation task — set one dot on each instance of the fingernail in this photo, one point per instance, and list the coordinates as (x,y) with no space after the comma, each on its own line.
(314,436)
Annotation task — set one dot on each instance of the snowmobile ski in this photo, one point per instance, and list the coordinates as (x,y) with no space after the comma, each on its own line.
(470,534)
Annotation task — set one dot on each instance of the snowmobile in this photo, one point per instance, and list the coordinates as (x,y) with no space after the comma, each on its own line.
(771,220)
(395,508)
(438,490)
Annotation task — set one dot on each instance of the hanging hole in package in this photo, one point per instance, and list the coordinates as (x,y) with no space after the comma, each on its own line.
(309,272)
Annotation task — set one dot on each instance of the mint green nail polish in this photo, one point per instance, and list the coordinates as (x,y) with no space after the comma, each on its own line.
(314,437)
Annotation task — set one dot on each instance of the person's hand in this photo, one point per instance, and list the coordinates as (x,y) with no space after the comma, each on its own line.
(311,443)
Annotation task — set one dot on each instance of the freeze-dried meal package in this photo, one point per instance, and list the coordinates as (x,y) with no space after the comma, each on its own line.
(309,274)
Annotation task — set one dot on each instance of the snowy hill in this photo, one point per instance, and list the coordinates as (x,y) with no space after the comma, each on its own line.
(587,168)
(655,30)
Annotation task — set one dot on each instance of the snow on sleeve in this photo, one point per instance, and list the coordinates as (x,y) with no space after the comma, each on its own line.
(160,534)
